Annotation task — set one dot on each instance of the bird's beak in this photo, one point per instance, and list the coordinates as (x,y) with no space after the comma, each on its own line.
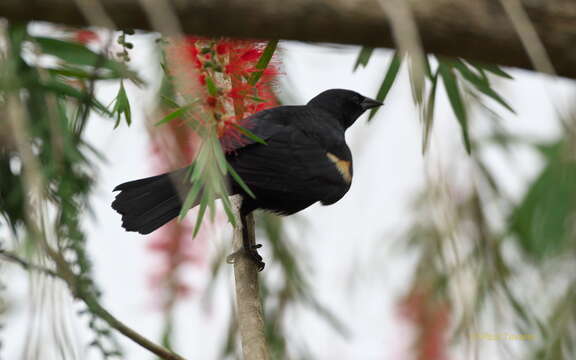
(368,103)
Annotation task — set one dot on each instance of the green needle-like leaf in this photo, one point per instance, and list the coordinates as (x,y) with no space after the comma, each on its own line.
(190,199)
(263,62)
(388,81)
(63,89)
(249,134)
(494,69)
(453,92)
(480,83)
(429,114)
(212,88)
(78,54)
(122,106)
(200,217)
(228,210)
(239,180)
(169,102)
(70,52)
(219,155)
(363,57)
(74,72)
(173,115)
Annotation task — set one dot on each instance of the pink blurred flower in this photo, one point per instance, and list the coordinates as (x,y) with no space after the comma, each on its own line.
(429,315)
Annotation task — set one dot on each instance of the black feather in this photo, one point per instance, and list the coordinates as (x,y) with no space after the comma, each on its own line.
(149,203)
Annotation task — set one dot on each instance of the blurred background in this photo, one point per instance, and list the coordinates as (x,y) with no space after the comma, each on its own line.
(437,251)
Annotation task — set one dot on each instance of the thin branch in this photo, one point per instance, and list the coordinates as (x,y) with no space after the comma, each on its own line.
(529,36)
(93,304)
(99,310)
(95,13)
(162,16)
(250,315)
(407,39)
(27,265)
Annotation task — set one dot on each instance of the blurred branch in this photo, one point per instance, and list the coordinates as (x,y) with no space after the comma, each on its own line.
(65,273)
(405,33)
(478,30)
(94,13)
(529,36)
(27,265)
(250,315)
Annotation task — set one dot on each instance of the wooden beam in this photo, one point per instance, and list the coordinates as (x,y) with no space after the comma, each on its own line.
(478,30)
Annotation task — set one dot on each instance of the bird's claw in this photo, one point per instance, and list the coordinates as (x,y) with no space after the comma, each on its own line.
(252,254)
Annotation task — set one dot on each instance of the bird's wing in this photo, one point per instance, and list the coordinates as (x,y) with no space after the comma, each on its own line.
(264,124)
(292,162)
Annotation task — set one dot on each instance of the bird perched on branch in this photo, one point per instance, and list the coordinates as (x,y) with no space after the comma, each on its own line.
(305,160)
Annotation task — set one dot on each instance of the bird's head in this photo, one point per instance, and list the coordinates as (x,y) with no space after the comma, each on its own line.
(345,105)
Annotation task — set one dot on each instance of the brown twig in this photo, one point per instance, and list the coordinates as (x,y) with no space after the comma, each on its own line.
(250,315)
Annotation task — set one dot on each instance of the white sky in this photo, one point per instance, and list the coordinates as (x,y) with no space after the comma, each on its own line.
(360,265)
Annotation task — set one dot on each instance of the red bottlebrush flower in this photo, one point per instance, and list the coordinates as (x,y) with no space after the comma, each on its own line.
(239,91)
(270,71)
(251,55)
(222,47)
(228,64)
(229,69)
(193,52)
(211,101)
(85,36)
(216,72)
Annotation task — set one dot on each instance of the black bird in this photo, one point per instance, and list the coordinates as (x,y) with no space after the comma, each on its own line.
(305,160)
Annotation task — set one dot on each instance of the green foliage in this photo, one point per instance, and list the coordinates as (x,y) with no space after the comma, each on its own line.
(208,182)
(543,221)
(501,245)
(458,76)
(75,54)
(122,107)
(480,82)
(53,103)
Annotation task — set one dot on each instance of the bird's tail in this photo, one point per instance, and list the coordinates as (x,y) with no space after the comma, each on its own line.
(149,203)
